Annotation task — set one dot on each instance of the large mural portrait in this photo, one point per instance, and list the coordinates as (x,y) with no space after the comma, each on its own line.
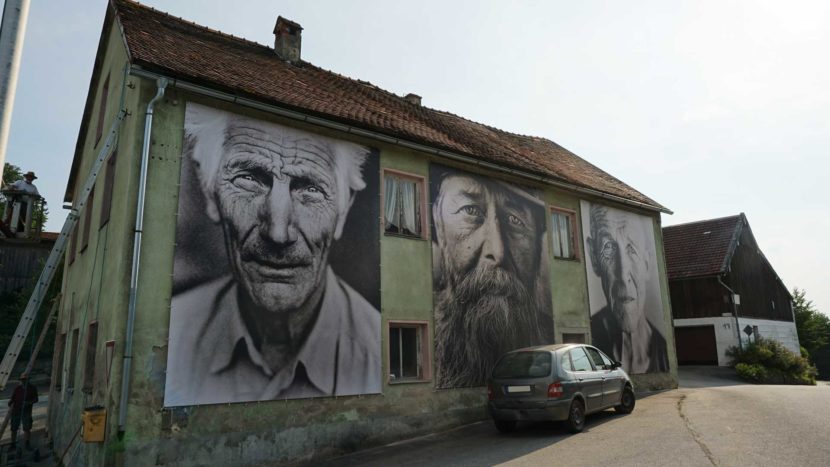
(276,279)
(624,290)
(491,278)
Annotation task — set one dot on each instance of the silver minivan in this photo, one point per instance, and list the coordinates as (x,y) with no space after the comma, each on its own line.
(562,382)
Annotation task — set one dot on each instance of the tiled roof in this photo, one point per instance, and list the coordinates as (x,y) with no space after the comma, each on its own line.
(700,248)
(49,236)
(177,48)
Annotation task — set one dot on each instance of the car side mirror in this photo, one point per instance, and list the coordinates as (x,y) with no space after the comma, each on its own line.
(615,365)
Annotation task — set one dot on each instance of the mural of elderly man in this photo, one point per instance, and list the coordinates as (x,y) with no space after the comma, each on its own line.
(627,323)
(490,273)
(277,322)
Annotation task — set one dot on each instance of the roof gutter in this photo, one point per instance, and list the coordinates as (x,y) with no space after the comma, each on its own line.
(137,71)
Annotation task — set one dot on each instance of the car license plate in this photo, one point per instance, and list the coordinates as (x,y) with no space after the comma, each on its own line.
(518,389)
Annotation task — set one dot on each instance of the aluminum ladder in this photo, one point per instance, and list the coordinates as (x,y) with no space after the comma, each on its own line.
(42,285)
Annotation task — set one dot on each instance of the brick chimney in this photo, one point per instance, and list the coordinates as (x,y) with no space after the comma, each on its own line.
(287,40)
(413,98)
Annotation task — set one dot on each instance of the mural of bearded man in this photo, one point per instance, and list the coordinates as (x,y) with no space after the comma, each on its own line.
(490,273)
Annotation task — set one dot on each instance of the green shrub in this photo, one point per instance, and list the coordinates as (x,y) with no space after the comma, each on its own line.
(766,361)
(751,372)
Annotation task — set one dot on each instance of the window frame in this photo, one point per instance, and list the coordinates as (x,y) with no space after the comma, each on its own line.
(73,243)
(420,181)
(591,351)
(571,215)
(73,359)
(90,205)
(109,185)
(89,357)
(423,339)
(587,357)
(57,363)
(102,110)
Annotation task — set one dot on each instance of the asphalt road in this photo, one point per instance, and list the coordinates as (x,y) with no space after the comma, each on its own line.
(710,420)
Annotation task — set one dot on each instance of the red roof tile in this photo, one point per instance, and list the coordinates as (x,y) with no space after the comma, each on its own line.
(700,248)
(181,49)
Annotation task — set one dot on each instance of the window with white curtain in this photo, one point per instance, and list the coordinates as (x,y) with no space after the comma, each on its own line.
(402,205)
(564,245)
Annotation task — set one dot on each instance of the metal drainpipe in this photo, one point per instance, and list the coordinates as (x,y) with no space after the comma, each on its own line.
(161,83)
(734,312)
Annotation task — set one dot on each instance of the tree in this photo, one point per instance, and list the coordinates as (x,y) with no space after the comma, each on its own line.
(11,173)
(812,325)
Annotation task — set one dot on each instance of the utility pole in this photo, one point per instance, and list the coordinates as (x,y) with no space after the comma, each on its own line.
(12,32)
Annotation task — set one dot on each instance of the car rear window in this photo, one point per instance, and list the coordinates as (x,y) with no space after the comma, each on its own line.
(523,365)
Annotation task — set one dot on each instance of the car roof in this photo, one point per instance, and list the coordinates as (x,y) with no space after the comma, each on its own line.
(549,347)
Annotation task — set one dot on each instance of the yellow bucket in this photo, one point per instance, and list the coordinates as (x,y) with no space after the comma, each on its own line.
(95,423)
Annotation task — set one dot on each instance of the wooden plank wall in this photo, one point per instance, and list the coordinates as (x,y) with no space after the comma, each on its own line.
(763,296)
(21,263)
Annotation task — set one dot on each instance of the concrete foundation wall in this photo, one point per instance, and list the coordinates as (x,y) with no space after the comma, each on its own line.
(726,334)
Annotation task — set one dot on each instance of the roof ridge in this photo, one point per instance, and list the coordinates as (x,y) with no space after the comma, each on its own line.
(348,99)
(685,224)
(193,24)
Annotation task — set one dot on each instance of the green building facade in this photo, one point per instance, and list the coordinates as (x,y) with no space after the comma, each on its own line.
(92,325)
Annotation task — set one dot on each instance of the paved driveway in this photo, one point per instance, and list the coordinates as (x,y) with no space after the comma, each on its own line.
(713,419)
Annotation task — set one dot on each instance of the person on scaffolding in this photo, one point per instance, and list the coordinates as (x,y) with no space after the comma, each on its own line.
(20,404)
(24,185)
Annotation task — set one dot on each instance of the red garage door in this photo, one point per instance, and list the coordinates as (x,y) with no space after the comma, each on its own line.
(696,345)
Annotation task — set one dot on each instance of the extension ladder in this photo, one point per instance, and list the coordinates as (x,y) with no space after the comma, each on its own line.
(42,285)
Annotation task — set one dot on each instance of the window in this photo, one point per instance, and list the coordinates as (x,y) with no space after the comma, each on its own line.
(564,238)
(102,108)
(408,352)
(580,360)
(89,363)
(73,243)
(403,204)
(523,365)
(87,218)
(57,363)
(573,338)
(73,360)
(566,362)
(599,364)
(109,182)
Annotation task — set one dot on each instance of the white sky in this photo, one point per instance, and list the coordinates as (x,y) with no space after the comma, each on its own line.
(709,107)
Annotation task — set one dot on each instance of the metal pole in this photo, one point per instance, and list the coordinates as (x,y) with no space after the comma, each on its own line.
(12,32)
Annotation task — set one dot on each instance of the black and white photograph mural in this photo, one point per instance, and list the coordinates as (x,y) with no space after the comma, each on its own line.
(491,278)
(276,286)
(624,290)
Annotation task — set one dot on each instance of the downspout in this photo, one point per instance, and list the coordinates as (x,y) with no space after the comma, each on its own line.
(734,312)
(161,83)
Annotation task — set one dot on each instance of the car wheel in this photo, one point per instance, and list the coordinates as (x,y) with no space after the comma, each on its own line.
(626,401)
(576,417)
(505,426)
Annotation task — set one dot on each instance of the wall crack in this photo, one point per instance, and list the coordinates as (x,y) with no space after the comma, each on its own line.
(695,434)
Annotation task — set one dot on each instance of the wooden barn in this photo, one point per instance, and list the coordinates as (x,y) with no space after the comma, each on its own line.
(723,291)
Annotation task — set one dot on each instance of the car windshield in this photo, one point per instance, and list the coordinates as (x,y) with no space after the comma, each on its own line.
(523,365)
